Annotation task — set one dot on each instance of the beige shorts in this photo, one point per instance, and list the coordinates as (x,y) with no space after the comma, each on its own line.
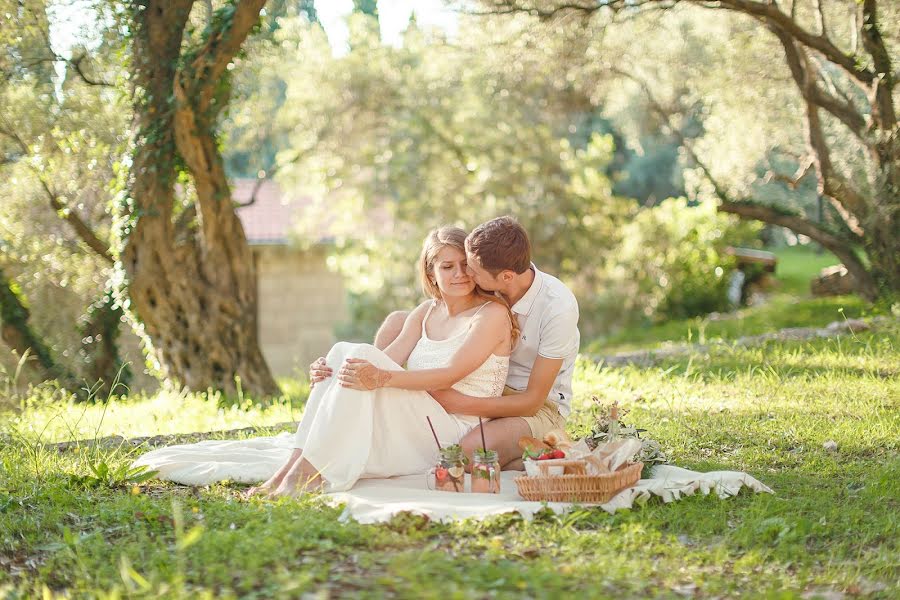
(545,420)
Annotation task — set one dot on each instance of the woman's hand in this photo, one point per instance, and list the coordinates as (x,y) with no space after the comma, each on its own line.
(318,371)
(359,374)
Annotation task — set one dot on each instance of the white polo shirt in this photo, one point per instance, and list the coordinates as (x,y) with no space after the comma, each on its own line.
(548,319)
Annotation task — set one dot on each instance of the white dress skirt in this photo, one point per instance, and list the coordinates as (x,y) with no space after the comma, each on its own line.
(346,434)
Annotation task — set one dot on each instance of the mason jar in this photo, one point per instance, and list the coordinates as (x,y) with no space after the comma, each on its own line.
(486,472)
(450,471)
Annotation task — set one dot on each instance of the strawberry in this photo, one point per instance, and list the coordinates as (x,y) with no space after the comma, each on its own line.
(558,453)
(441,473)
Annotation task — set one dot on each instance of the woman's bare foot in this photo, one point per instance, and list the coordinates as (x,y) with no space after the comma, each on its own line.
(275,480)
(301,479)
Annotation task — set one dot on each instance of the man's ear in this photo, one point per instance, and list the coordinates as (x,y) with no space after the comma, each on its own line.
(507,276)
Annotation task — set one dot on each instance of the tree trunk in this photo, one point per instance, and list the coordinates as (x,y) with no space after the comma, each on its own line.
(192,288)
(883,244)
(100,351)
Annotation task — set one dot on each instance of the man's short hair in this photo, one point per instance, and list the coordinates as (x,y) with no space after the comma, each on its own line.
(501,244)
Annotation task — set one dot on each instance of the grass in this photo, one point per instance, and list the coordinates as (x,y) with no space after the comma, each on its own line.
(778,313)
(789,305)
(797,265)
(832,526)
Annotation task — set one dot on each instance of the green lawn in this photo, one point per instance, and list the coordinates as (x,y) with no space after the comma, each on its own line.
(832,526)
(797,265)
(789,305)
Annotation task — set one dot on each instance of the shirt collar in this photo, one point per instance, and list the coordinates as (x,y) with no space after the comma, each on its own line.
(523,306)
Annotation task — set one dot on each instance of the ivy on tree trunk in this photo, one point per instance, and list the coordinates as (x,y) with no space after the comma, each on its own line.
(190,283)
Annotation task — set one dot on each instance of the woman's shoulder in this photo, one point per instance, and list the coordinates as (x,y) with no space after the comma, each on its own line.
(419,312)
(422,308)
(492,312)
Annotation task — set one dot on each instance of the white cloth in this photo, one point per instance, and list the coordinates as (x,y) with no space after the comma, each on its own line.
(548,320)
(345,434)
(378,500)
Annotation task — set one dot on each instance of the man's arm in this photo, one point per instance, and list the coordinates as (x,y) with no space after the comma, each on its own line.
(524,404)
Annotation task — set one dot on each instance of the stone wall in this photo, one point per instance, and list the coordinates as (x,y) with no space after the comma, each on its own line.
(300,302)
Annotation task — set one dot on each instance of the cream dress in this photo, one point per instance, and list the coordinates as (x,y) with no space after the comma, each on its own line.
(347,434)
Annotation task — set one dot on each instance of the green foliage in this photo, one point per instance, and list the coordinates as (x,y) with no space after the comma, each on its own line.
(119,475)
(60,138)
(670,263)
(436,138)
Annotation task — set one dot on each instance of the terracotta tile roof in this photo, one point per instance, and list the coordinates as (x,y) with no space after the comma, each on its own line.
(271,219)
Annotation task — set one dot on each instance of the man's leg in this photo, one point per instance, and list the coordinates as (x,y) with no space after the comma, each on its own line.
(390,329)
(503,436)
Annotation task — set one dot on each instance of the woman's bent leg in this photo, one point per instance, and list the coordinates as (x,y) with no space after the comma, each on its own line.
(349,434)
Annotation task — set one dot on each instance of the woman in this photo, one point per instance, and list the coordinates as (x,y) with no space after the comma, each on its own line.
(370,420)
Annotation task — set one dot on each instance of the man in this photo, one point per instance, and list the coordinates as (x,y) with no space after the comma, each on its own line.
(539,385)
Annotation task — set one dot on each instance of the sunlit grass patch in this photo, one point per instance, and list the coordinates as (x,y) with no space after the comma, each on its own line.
(831,525)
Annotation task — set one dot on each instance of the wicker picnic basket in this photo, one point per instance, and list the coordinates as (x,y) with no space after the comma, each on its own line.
(576,485)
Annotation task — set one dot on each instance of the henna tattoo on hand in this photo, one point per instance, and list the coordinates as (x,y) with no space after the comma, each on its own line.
(371,377)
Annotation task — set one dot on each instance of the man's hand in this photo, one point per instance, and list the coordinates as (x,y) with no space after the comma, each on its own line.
(318,371)
(359,374)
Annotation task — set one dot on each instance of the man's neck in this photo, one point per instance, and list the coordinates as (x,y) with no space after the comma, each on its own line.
(518,287)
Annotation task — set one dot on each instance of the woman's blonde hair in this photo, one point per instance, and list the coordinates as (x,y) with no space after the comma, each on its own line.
(454,237)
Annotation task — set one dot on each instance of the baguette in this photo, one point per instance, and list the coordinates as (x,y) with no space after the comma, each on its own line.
(532,444)
(557,439)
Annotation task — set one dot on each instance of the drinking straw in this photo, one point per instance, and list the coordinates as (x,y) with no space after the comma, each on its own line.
(433,433)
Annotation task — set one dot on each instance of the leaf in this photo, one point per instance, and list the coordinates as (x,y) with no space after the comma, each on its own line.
(140,474)
(190,538)
(131,577)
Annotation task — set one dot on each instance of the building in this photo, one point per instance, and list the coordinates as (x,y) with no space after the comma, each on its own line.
(300,300)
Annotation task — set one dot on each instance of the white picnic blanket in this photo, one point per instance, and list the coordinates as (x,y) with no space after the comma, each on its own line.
(377,500)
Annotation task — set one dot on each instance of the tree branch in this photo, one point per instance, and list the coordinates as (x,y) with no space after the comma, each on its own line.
(792,181)
(768,12)
(852,207)
(82,230)
(838,246)
(75,63)
(231,25)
